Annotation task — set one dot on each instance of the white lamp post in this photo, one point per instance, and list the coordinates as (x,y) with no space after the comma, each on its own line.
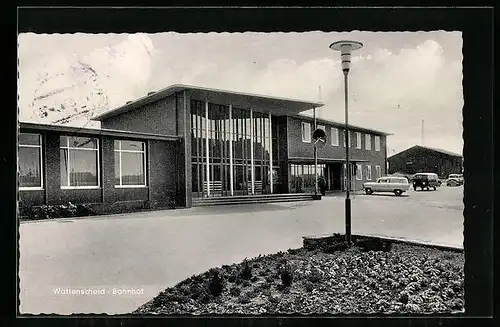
(346,48)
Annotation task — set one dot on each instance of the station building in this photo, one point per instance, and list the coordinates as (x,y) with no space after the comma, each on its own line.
(183,143)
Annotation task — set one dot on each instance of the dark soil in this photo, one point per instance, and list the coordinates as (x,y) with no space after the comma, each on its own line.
(398,279)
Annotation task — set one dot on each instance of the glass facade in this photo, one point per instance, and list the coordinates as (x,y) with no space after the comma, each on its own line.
(222,136)
(302,178)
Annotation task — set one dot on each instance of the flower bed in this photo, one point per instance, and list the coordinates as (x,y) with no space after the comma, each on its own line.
(398,278)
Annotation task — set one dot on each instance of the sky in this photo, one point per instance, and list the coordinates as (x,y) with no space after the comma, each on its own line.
(397,80)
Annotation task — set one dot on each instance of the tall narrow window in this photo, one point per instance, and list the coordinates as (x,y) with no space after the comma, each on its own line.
(377,143)
(335,136)
(368,141)
(369,172)
(350,138)
(306,132)
(30,161)
(377,171)
(130,163)
(358,140)
(359,172)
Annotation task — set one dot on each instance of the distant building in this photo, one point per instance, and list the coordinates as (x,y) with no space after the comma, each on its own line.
(420,159)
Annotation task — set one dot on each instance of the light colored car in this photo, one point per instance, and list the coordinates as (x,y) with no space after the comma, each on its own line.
(455,180)
(396,185)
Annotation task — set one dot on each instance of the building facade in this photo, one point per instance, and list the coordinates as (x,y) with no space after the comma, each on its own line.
(187,142)
(420,159)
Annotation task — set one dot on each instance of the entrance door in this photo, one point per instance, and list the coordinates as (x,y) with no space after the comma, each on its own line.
(334,177)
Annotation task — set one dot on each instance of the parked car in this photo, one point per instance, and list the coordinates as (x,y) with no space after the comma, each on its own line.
(425,181)
(455,180)
(397,185)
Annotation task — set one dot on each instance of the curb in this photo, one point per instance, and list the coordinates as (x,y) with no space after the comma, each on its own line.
(105,216)
(398,240)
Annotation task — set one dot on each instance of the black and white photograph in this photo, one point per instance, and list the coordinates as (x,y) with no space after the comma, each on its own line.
(255,173)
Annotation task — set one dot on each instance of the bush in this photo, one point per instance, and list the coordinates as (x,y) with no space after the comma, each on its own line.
(245,298)
(246,272)
(315,276)
(216,283)
(286,274)
(60,211)
(308,286)
(235,291)
(374,245)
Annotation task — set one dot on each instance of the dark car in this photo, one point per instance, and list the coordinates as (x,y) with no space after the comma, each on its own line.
(425,181)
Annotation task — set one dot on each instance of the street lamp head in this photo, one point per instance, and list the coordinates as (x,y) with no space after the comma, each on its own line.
(346,48)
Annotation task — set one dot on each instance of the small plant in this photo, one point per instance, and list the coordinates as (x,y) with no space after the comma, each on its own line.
(286,274)
(84,210)
(315,276)
(216,283)
(374,245)
(244,299)
(235,291)
(308,286)
(246,271)
(269,279)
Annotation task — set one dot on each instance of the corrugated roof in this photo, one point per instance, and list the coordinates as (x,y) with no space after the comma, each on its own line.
(453,154)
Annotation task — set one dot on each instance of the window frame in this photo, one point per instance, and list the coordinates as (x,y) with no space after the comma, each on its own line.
(359,169)
(42,175)
(97,149)
(368,145)
(337,134)
(358,139)
(144,160)
(368,172)
(350,139)
(303,134)
(377,142)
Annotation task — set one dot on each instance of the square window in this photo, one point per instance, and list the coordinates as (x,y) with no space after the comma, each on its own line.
(79,161)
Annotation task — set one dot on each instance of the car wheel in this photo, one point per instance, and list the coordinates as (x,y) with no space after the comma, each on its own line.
(398,192)
(368,191)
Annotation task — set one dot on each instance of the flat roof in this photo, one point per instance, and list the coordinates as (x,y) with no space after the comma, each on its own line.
(96,131)
(261,103)
(339,124)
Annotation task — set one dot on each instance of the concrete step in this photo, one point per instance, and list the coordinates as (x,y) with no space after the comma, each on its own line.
(269,198)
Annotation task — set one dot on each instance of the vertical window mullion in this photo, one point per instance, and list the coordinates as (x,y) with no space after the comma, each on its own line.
(120,160)
(69,163)
(98,142)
